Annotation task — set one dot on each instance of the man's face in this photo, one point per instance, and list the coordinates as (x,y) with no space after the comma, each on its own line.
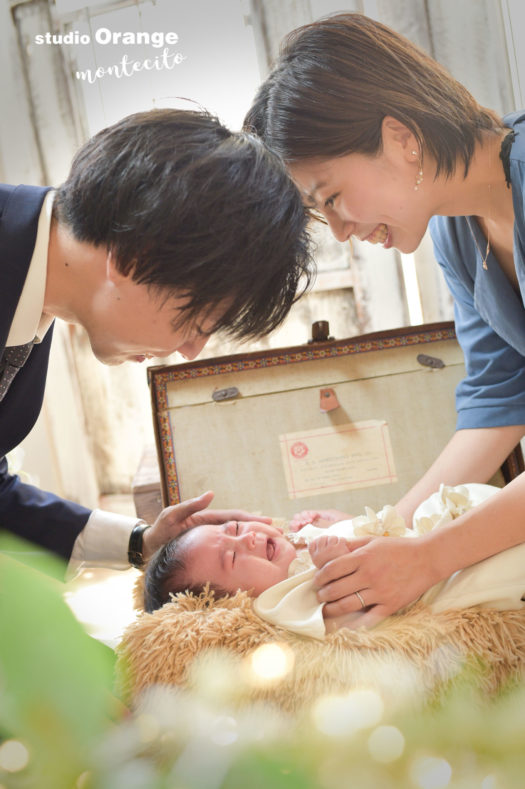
(247,555)
(127,321)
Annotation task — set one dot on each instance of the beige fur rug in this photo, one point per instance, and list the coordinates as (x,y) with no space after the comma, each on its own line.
(414,657)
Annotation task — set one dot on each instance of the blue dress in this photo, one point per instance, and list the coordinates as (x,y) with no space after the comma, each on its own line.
(489,314)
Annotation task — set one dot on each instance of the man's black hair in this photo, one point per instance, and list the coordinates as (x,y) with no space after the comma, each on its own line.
(192,209)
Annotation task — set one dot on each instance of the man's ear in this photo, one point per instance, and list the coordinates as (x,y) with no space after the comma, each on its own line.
(112,272)
(397,138)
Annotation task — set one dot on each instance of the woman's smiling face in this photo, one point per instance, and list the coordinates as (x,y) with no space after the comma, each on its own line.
(247,555)
(371,197)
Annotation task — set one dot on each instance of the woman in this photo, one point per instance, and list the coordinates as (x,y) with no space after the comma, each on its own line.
(381,141)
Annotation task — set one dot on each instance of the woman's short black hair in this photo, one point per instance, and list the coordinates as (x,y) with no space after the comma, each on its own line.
(336,80)
(192,209)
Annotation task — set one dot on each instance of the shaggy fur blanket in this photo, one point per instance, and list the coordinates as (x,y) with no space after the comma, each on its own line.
(414,657)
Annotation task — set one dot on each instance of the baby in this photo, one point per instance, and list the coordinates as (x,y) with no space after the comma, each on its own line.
(245,555)
(260,559)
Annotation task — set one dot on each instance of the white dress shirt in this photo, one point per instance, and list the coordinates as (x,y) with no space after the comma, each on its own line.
(104,540)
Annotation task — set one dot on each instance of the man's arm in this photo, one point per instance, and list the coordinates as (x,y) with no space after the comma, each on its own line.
(38,516)
(95,537)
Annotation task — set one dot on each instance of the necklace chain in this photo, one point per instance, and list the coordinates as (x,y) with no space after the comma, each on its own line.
(504,156)
(487,250)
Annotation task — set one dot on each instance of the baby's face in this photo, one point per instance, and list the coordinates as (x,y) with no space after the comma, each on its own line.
(244,555)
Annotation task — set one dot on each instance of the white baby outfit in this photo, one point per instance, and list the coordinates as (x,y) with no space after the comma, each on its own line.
(497,582)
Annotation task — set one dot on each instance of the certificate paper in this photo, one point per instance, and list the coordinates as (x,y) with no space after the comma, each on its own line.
(356,455)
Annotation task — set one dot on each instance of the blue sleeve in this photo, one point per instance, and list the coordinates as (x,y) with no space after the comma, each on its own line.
(492,394)
(37,516)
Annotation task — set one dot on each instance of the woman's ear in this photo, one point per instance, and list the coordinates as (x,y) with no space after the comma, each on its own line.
(398,139)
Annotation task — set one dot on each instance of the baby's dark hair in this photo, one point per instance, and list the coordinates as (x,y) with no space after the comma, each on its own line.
(167,574)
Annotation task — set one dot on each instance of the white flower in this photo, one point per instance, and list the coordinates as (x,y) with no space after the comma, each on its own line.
(393,524)
(456,500)
(386,523)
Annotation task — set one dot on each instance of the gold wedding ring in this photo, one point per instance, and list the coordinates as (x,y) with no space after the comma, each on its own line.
(359,597)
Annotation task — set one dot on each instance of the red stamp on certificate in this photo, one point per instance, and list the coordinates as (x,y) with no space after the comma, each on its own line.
(299,449)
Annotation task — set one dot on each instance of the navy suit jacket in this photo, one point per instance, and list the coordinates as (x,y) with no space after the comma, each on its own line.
(40,517)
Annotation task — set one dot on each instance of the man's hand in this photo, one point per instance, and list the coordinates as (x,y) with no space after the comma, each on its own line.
(387,572)
(319,518)
(174,520)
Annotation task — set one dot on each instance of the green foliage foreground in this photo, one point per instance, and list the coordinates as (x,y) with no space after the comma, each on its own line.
(60,730)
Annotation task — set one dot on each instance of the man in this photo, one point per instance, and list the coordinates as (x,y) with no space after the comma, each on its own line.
(169,228)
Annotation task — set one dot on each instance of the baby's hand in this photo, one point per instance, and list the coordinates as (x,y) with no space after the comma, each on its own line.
(324,549)
(319,518)
(302,518)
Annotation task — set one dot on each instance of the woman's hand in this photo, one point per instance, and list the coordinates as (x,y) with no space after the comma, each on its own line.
(376,578)
(319,518)
(173,520)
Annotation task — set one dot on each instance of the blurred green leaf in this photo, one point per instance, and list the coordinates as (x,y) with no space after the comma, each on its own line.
(55,681)
(33,556)
(261,770)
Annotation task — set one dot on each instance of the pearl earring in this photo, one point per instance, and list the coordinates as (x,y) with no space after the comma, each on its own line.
(419,177)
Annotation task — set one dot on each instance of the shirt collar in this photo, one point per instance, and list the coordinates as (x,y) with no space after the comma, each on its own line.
(30,323)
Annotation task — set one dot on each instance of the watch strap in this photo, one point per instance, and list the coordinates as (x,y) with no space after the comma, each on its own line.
(136,544)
